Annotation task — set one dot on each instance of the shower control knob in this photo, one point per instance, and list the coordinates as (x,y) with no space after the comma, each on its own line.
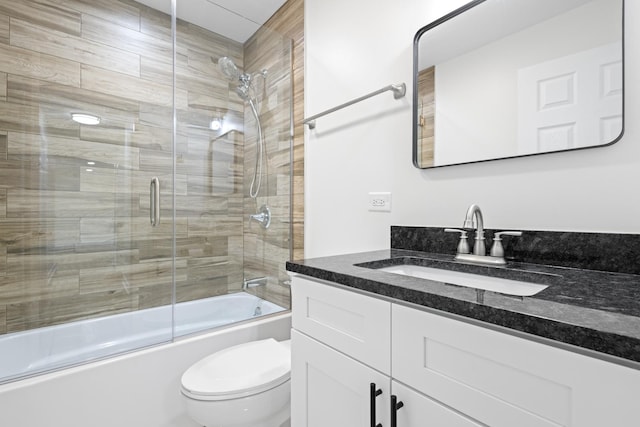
(263,216)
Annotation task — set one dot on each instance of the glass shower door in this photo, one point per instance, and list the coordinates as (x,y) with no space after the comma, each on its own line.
(228,167)
(86,151)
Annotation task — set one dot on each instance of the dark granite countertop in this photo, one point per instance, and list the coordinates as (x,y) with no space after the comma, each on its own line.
(593,310)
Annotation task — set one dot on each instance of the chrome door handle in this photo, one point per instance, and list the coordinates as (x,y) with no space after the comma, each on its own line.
(154,201)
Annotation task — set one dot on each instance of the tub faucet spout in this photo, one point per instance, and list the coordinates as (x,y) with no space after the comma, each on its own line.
(474,219)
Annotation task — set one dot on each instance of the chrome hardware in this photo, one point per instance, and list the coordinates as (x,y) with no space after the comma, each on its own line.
(497,250)
(480,259)
(258,309)
(263,216)
(254,283)
(463,244)
(154,201)
(474,218)
(399,90)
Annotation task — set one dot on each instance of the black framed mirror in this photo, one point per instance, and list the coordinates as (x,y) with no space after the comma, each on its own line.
(498,79)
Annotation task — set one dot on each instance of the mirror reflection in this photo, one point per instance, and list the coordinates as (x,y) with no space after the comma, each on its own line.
(498,79)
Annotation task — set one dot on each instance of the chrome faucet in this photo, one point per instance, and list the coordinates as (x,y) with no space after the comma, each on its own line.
(253,283)
(473,219)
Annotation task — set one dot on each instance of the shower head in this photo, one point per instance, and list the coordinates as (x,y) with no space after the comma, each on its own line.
(244,88)
(228,68)
(243,92)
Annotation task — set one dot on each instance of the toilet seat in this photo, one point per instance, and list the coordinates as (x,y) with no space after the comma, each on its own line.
(239,371)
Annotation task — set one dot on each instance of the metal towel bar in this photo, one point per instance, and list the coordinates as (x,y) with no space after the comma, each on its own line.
(398,90)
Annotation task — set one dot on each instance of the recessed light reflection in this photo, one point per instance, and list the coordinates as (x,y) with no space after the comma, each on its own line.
(89,170)
(216,124)
(91,163)
(85,119)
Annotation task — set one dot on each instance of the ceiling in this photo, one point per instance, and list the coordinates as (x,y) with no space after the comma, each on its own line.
(235,19)
(486,23)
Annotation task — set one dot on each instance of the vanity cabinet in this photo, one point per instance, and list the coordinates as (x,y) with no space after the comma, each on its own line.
(329,388)
(352,323)
(341,346)
(419,410)
(446,372)
(502,380)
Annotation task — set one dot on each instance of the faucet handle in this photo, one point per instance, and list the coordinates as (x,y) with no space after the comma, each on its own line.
(463,244)
(454,230)
(497,249)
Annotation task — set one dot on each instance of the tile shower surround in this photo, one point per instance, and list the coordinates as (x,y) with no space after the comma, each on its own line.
(267,252)
(591,303)
(63,252)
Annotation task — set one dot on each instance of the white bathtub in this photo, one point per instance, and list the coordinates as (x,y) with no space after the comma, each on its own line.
(44,349)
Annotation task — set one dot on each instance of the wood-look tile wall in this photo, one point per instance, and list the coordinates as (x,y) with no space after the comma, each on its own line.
(426,125)
(289,21)
(279,48)
(75,239)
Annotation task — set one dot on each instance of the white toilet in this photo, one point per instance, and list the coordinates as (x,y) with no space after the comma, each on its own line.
(247,385)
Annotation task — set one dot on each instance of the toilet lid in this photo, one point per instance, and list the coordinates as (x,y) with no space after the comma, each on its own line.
(239,371)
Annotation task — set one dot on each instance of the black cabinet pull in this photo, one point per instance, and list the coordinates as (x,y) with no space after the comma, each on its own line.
(373,393)
(395,405)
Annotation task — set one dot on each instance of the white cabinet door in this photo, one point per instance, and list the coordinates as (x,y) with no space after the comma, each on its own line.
(353,323)
(418,411)
(329,389)
(505,381)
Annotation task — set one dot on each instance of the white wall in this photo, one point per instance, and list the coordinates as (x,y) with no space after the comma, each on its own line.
(139,389)
(358,46)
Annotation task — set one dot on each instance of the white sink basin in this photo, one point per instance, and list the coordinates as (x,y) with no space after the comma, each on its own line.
(493,284)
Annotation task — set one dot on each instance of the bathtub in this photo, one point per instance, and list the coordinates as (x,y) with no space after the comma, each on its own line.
(52,347)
